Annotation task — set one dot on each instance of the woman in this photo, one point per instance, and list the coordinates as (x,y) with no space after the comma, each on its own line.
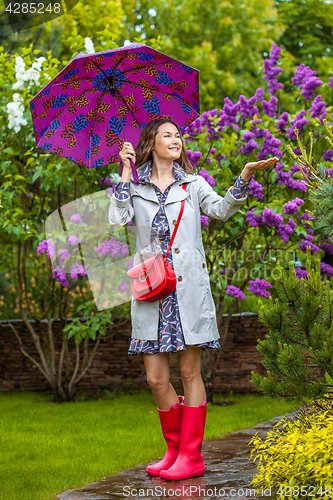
(185,320)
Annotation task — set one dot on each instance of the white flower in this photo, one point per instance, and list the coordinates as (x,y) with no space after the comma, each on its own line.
(15,111)
(89,46)
(32,74)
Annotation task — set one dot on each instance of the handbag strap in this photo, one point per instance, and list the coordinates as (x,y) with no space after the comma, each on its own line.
(178,220)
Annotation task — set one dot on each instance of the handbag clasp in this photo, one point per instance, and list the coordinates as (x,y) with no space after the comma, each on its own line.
(146,274)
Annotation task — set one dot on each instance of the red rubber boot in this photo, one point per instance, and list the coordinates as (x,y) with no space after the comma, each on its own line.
(189,462)
(170,424)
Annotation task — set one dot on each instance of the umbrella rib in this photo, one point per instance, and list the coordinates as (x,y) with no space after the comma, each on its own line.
(143,67)
(92,128)
(123,100)
(160,91)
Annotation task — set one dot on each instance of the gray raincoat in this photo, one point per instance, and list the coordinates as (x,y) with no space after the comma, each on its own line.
(196,306)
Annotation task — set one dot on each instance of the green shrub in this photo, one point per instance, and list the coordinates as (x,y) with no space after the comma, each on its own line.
(295,458)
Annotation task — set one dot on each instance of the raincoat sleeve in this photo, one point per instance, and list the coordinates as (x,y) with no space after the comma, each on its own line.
(214,205)
(240,188)
(121,209)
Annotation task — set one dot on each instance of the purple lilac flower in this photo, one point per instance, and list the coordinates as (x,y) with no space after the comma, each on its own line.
(328,155)
(309,88)
(77,269)
(291,207)
(259,94)
(271,219)
(204,220)
(47,245)
(208,160)
(268,218)
(302,75)
(123,286)
(228,114)
(114,246)
(260,132)
(130,263)
(194,157)
(73,240)
(271,70)
(210,179)
(248,148)
(59,274)
(297,151)
(326,268)
(255,188)
(251,218)
(330,81)
(308,216)
(300,273)
(318,108)
(192,129)
(248,135)
(76,219)
(246,107)
(130,223)
(64,254)
(270,106)
(327,248)
(306,243)
(295,168)
(283,177)
(298,184)
(298,122)
(236,292)
(285,230)
(283,122)
(203,173)
(257,287)
(220,157)
(269,146)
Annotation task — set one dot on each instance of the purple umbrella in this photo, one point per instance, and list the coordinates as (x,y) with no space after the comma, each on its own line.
(100,100)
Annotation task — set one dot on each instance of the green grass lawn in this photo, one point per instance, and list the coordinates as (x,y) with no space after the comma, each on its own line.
(47,448)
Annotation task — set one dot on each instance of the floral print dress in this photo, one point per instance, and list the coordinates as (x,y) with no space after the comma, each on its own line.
(170,333)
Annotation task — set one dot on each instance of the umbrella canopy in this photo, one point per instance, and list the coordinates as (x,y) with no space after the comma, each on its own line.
(100,100)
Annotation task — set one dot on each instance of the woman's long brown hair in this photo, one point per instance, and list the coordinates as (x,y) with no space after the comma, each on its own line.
(147,140)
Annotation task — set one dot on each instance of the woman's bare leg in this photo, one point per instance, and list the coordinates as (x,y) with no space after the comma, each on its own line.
(189,363)
(158,378)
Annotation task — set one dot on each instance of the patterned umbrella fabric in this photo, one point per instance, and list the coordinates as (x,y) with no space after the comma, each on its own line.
(100,100)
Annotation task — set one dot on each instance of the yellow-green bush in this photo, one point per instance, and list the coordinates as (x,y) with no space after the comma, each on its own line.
(295,459)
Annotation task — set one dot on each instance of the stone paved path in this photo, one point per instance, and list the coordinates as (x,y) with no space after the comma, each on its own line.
(228,474)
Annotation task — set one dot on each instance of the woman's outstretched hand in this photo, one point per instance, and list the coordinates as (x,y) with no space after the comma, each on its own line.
(253,166)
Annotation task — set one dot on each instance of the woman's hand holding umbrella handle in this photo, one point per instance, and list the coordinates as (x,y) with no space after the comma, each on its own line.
(127,154)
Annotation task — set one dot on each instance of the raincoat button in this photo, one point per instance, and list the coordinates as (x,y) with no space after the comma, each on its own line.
(176,250)
(180,278)
(174,222)
(203,265)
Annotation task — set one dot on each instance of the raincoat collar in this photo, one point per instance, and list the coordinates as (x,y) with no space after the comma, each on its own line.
(145,186)
(144,172)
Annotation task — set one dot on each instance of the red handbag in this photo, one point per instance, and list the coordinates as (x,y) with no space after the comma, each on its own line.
(154,278)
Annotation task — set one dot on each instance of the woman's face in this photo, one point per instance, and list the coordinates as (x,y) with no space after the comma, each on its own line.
(168,144)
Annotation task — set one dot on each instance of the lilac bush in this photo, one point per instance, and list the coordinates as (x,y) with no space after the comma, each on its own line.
(276,215)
